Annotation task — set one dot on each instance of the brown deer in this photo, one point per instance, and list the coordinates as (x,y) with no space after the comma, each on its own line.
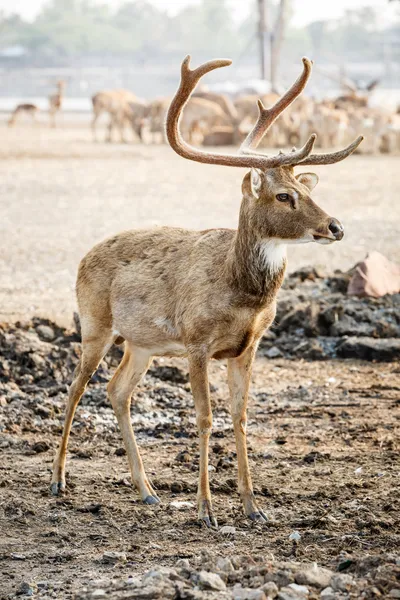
(201,294)
(120,105)
(20,109)
(56,101)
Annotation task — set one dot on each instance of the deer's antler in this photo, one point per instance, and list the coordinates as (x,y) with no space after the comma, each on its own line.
(247,156)
(189,79)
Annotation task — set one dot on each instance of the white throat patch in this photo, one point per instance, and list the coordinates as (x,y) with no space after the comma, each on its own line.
(273,254)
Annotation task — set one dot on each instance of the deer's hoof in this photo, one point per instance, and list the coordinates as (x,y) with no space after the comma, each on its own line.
(258,516)
(210,522)
(57,488)
(151,500)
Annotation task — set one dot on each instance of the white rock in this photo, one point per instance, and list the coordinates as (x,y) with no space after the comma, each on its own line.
(183,505)
(183,563)
(327,594)
(99,593)
(211,581)
(295,536)
(301,590)
(270,589)
(228,531)
(224,565)
(315,575)
(248,594)
(342,582)
(394,593)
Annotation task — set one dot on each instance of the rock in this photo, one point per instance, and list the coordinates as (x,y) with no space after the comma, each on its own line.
(375,276)
(287,594)
(227,531)
(301,590)
(211,581)
(99,593)
(225,565)
(273,352)
(183,457)
(394,593)
(366,348)
(270,589)
(183,563)
(169,373)
(181,505)
(349,326)
(112,558)
(342,582)
(45,333)
(328,594)
(281,578)
(40,447)
(315,575)
(25,589)
(295,536)
(248,594)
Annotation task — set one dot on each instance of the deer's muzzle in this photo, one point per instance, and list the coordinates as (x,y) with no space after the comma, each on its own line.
(336,228)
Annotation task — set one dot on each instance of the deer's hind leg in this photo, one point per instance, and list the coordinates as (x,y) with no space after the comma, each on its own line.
(132,368)
(93,350)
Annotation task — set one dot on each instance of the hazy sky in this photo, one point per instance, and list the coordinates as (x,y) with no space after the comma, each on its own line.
(304,10)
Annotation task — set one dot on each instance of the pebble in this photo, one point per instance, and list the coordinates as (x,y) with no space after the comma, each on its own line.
(315,575)
(228,531)
(111,557)
(327,594)
(45,332)
(270,589)
(342,582)
(394,593)
(181,505)
(295,536)
(25,589)
(301,590)
(225,565)
(211,581)
(99,593)
(239,593)
(183,563)
(273,352)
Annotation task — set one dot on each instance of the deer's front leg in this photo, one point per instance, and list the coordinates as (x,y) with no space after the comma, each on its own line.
(239,374)
(200,389)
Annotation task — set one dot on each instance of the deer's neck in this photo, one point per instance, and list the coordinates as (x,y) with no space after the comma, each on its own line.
(256,266)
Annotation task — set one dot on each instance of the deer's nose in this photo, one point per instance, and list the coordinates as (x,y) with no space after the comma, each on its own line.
(336,228)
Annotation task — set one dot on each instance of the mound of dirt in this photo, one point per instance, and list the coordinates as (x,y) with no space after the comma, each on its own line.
(317,320)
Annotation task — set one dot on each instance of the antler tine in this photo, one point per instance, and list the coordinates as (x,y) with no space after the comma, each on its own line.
(332,157)
(268,115)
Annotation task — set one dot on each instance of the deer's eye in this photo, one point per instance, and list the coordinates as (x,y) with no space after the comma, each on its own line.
(283,197)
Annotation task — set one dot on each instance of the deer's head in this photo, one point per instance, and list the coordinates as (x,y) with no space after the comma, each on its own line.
(280,207)
(276,202)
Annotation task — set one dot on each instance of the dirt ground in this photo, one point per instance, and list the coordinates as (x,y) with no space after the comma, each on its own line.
(61,193)
(323,435)
(323,443)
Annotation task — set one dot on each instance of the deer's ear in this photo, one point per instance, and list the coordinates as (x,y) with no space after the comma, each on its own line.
(310,180)
(256,182)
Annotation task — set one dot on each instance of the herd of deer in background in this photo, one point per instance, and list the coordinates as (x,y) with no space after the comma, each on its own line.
(215,119)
